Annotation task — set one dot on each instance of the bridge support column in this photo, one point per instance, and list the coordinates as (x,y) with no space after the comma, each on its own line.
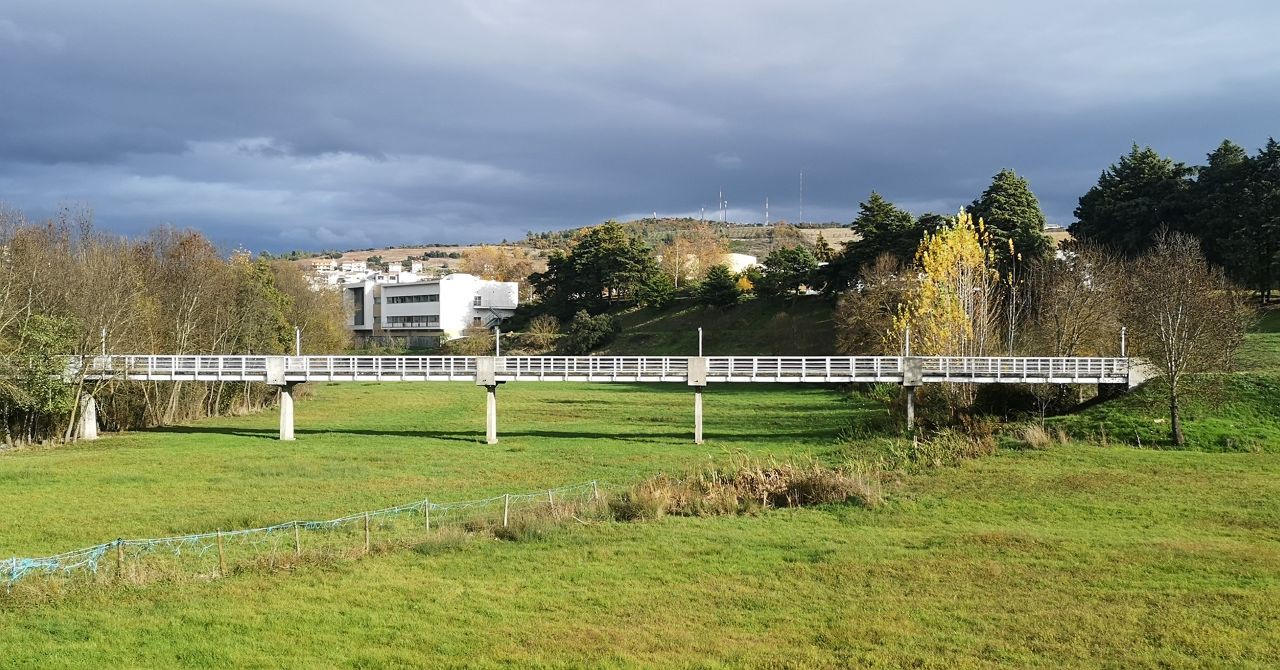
(286,412)
(88,423)
(697,414)
(912,378)
(491,414)
(911,408)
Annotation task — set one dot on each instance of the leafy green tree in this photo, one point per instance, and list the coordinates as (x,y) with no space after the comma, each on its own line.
(719,288)
(262,309)
(1135,198)
(786,270)
(1012,214)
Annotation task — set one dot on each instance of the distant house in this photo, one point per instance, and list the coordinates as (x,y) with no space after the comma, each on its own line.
(739,262)
(430,310)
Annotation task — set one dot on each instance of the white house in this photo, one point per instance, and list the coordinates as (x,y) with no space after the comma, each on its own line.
(739,262)
(439,308)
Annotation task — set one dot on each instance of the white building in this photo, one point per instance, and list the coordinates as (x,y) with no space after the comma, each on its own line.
(438,308)
(739,262)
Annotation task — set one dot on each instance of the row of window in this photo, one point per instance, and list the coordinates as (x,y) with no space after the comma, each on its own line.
(414,321)
(401,299)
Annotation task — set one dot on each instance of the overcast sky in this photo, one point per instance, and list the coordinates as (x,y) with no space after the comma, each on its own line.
(313,124)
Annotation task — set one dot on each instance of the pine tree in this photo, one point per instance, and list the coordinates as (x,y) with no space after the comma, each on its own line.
(719,289)
(1011,212)
(1134,199)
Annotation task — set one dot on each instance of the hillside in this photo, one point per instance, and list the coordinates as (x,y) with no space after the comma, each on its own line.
(760,327)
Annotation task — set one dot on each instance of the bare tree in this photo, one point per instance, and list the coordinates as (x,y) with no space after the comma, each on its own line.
(1185,315)
(864,314)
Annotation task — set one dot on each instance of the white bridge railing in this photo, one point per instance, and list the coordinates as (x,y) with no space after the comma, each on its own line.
(291,369)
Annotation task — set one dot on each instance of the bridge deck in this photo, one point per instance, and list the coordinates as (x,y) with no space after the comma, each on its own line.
(718,369)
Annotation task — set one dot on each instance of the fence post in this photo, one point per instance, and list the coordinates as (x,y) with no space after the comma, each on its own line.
(595,490)
(297,541)
(366,532)
(506,508)
(426,512)
(119,559)
(222,557)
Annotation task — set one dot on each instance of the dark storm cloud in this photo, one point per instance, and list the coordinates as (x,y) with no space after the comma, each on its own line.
(315,124)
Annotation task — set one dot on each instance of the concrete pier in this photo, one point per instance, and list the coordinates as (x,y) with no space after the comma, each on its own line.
(697,415)
(286,412)
(491,414)
(87,428)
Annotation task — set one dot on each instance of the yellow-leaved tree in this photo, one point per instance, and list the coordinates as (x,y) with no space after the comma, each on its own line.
(954,307)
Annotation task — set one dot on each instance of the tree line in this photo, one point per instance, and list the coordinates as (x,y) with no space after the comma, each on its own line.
(67,288)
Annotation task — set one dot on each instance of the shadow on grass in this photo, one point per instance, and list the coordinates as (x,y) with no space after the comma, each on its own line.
(475,437)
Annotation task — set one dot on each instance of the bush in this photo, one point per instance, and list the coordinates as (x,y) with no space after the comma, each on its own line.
(587,332)
(542,331)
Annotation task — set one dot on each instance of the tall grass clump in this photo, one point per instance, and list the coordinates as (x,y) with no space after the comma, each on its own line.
(747,488)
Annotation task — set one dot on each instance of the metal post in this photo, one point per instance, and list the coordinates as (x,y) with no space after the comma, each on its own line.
(697,415)
(497,341)
(907,343)
(699,341)
(297,341)
(911,408)
(104,340)
(491,414)
(1123,344)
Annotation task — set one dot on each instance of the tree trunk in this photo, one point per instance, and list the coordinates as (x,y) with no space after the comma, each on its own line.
(1175,419)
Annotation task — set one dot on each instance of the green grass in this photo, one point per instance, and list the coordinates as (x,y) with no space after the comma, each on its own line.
(760,327)
(1069,557)
(1232,412)
(363,446)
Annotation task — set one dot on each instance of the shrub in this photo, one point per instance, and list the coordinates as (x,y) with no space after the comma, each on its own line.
(542,331)
(1036,437)
(587,332)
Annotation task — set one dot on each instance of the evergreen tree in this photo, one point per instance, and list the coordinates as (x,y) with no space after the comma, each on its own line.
(883,228)
(822,250)
(605,266)
(1012,213)
(1222,211)
(786,270)
(719,288)
(1134,198)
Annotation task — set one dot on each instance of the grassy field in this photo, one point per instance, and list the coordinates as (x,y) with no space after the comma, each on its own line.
(1073,556)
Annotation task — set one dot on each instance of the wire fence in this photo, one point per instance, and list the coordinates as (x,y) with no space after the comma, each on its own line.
(209,554)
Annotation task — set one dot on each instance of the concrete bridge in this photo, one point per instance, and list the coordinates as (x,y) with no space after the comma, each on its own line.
(694,371)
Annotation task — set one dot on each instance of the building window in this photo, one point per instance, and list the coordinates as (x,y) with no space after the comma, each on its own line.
(403,299)
(358,295)
(476,302)
(413,321)
(475,321)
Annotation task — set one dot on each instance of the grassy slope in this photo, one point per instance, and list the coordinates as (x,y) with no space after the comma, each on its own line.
(757,327)
(1223,412)
(1073,556)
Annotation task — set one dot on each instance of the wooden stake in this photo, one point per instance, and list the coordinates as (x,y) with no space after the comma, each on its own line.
(366,533)
(297,541)
(506,508)
(119,559)
(222,557)
(426,512)
(595,490)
